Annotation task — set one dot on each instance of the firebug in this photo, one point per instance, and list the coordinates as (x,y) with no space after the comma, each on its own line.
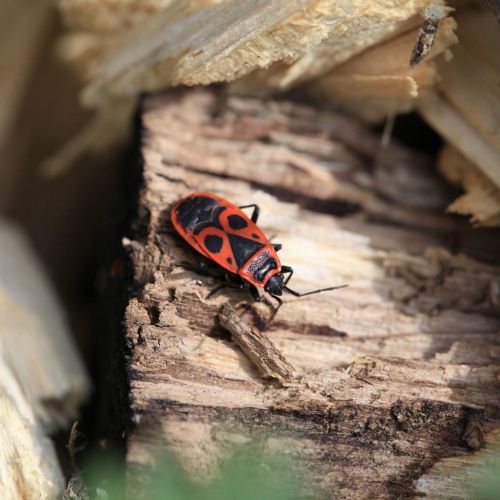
(223,233)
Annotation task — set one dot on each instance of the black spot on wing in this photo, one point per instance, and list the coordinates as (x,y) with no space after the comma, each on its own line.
(229,260)
(194,214)
(256,236)
(243,248)
(213,243)
(211,221)
(237,222)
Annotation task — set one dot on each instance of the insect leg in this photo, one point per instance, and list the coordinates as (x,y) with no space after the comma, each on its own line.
(255,213)
(280,303)
(277,246)
(277,299)
(255,293)
(201,267)
(237,284)
(287,270)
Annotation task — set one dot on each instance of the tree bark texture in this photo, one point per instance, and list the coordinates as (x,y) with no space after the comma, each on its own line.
(383,379)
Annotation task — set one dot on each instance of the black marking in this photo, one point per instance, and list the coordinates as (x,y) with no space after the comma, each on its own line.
(195,214)
(256,236)
(243,248)
(213,221)
(229,260)
(213,243)
(237,222)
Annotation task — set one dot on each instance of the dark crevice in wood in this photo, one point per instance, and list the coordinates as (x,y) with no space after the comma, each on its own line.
(337,207)
(308,329)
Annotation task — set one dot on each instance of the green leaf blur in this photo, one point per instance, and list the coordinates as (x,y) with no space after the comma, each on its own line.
(244,477)
(486,486)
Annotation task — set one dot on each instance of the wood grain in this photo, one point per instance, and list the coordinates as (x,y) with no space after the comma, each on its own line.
(393,373)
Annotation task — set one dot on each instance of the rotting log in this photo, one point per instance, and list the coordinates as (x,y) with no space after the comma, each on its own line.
(392,374)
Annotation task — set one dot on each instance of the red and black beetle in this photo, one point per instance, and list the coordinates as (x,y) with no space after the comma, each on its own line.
(222,232)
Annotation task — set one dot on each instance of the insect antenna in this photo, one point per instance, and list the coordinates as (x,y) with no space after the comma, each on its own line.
(312,292)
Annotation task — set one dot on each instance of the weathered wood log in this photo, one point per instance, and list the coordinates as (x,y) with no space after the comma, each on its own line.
(392,374)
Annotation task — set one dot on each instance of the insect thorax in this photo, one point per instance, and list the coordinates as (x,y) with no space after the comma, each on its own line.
(261,265)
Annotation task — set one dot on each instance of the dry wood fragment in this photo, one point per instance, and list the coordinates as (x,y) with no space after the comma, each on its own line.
(36,342)
(481,199)
(469,82)
(380,82)
(452,126)
(466,110)
(173,47)
(392,371)
(257,346)
(28,463)
(42,379)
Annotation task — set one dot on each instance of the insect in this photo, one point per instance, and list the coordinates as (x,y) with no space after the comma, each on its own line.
(223,233)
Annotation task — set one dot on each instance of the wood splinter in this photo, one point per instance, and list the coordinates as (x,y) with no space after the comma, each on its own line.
(259,349)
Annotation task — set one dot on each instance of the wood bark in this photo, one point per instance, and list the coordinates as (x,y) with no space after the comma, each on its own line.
(392,374)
